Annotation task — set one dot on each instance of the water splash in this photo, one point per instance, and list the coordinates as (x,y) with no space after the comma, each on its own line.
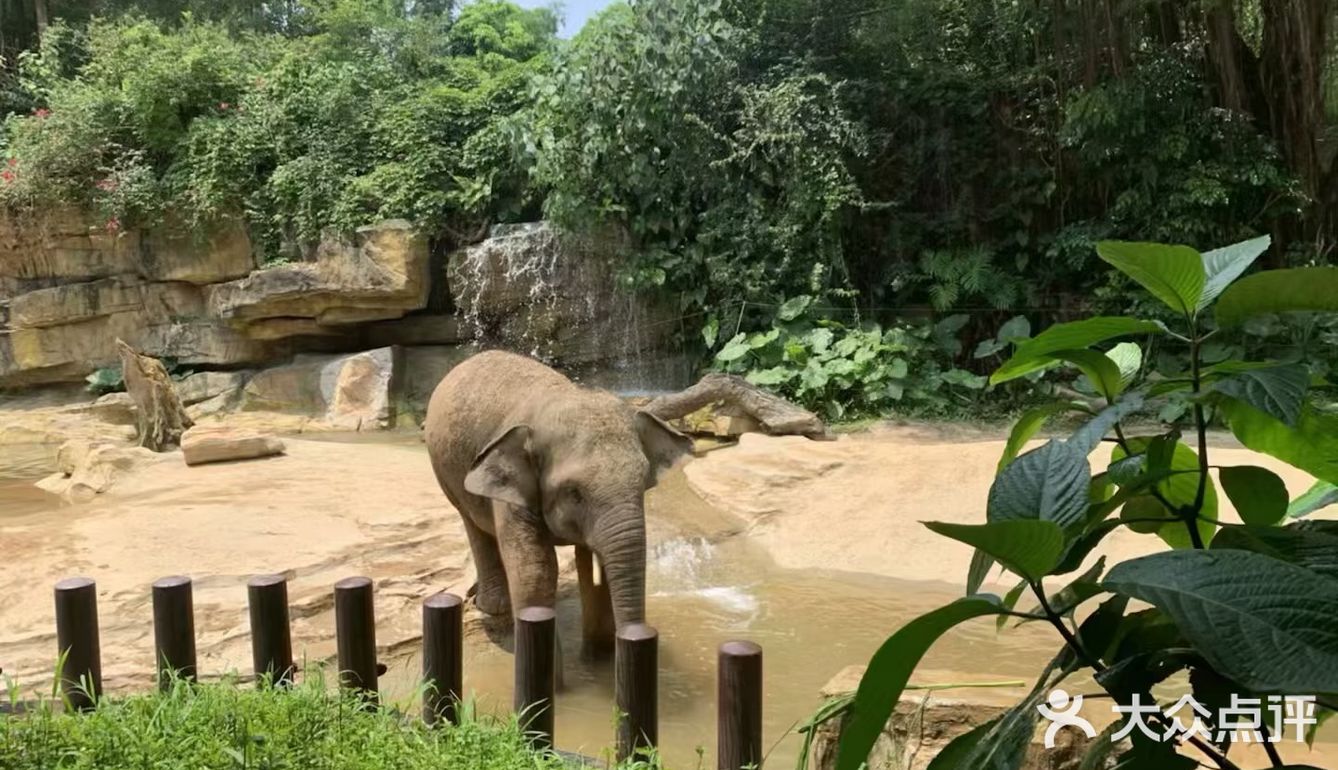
(688,567)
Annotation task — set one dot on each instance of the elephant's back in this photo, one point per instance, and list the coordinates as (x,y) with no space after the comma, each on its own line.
(474,401)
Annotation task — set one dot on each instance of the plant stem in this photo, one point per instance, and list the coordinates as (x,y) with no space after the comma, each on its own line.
(1201,426)
(1269,748)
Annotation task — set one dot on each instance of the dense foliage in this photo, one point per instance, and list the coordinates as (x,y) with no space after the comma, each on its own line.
(371,114)
(1241,609)
(886,159)
(223,725)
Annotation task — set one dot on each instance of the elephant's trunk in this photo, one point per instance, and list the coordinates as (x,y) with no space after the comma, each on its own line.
(620,544)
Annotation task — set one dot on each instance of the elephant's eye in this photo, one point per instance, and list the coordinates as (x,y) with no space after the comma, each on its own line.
(573,494)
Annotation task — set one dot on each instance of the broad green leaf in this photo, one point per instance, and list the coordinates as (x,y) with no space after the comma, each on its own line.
(734,349)
(1136,514)
(1129,470)
(890,668)
(1278,391)
(793,307)
(1089,436)
(1179,488)
(1034,353)
(1128,358)
(1312,445)
(1224,265)
(773,376)
(1015,329)
(710,330)
(1279,291)
(1321,495)
(1049,483)
(1080,549)
(1004,746)
(1316,550)
(1266,624)
(1100,370)
(1173,274)
(1146,754)
(1030,548)
(1029,424)
(1257,494)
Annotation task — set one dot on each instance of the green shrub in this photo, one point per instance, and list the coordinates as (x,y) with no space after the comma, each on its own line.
(373,114)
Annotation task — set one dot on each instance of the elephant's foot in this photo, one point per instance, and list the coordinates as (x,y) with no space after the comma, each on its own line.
(492,599)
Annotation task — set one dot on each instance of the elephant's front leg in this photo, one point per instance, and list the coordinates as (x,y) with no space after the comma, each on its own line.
(596,605)
(528,556)
(493,596)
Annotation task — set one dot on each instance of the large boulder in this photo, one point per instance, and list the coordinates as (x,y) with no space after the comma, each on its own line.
(351,392)
(217,443)
(86,469)
(383,274)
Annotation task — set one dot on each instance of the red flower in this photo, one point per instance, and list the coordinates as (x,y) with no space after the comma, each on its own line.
(113,225)
(42,112)
(8,176)
(13,162)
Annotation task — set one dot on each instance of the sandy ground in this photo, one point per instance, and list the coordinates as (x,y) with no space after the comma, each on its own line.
(324,511)
(856,503)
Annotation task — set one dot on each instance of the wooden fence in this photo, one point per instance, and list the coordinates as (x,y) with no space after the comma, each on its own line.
(636,694)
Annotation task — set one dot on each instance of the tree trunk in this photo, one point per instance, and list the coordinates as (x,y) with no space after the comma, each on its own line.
(41,13)
(160,417)
(776,415)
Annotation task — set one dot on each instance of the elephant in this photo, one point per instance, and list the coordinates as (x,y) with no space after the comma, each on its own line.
(533,461)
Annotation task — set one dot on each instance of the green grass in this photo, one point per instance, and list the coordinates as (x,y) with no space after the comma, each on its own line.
(234,727)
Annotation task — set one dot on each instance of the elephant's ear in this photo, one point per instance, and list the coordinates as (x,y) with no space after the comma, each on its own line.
(664,446)
(504,471)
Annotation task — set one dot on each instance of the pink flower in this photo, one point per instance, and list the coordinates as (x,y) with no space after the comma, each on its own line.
(8,176)
(106,185)
(42,112)
(13,162)
(113,225)
(223,105)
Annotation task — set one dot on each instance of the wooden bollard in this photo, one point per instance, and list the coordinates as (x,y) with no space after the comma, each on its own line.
(636,688)
(355,634)
(443,657)
(173,629)
(77,640)
(271,640)
(536,653)
(739,706)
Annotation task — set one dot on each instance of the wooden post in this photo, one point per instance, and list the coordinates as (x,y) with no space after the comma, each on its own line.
(636,688)
(77,640)
(173,629)
(739,706)
(536,650)
(443,657)
(271,640)
(355,635)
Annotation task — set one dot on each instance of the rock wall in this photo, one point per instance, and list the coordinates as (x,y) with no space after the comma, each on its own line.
(69,289)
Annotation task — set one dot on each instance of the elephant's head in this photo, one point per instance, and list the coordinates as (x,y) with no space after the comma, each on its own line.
(583,462)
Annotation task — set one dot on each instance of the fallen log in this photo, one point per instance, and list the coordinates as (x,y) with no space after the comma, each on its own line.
(775,415)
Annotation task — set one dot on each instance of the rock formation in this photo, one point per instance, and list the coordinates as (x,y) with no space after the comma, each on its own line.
(160,419)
